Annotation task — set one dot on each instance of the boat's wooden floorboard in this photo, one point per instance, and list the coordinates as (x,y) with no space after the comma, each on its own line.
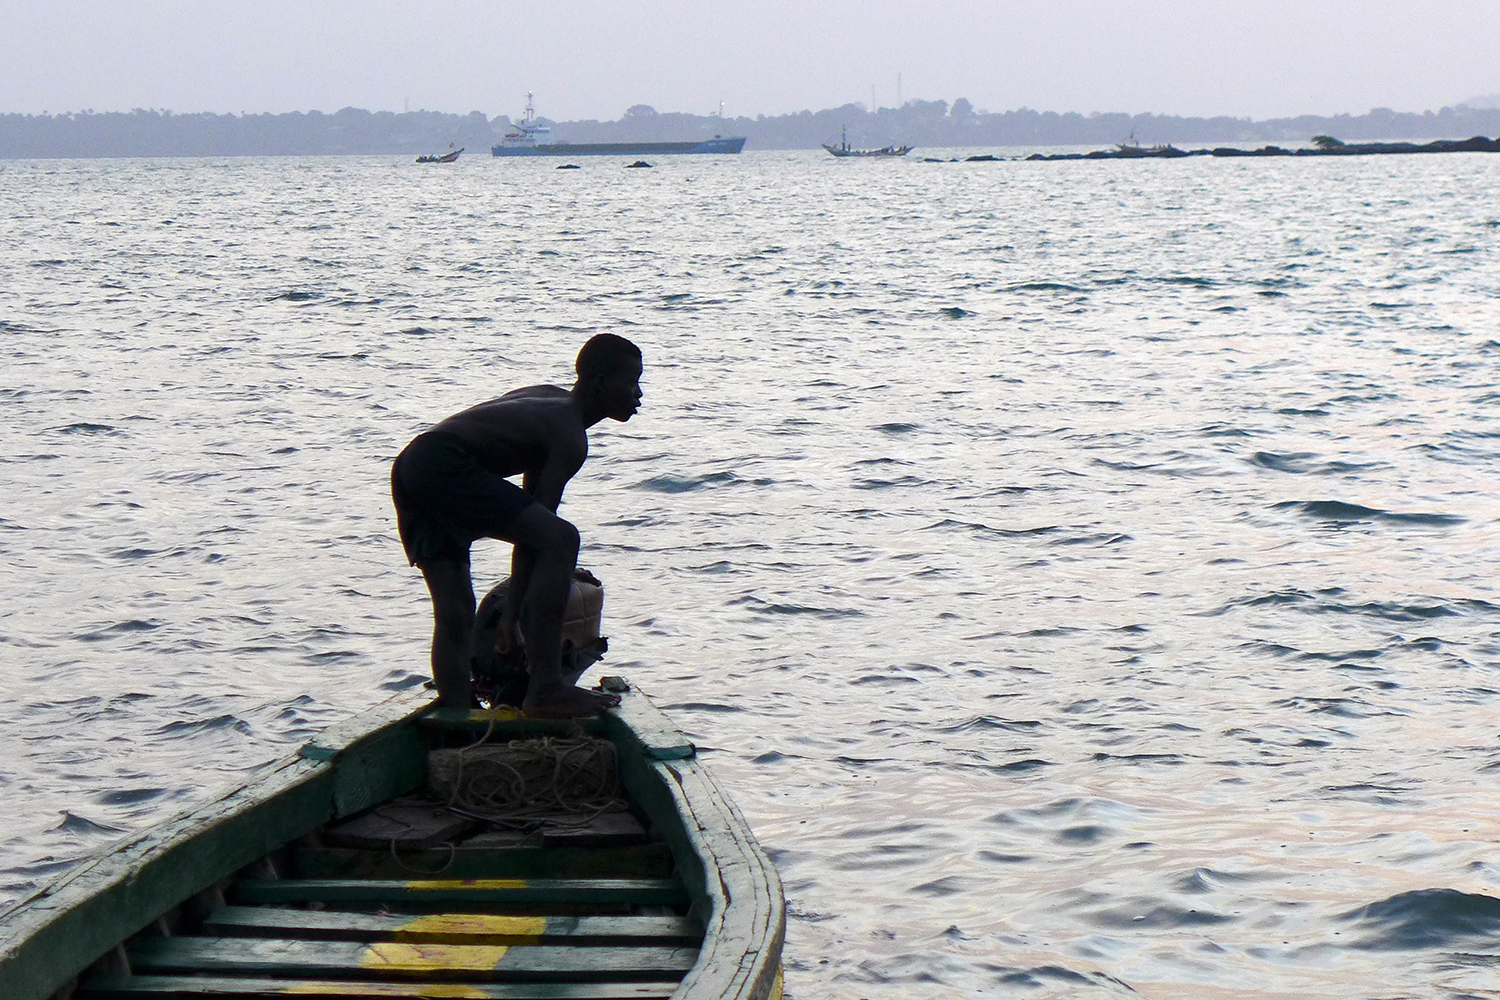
(662,892)
(653,860)
(240,988)
(388,959)
(452,928)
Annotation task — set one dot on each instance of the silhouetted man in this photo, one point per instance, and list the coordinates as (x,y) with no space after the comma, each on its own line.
(450,488)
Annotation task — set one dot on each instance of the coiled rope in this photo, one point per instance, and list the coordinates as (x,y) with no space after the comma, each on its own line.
(519,783)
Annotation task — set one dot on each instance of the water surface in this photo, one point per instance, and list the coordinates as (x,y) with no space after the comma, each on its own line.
(1082,574)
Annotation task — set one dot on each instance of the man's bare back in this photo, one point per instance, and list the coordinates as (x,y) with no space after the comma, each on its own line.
(450,488)
(517,433)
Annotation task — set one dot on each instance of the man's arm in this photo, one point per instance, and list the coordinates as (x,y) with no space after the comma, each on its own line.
(546,487)
(546,484)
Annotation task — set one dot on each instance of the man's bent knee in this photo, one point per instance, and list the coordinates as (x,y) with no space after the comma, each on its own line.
(566,540)
(554,536)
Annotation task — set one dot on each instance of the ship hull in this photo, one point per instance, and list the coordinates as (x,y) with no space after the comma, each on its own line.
(730,145)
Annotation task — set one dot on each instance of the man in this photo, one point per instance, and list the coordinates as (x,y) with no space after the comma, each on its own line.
(450,488)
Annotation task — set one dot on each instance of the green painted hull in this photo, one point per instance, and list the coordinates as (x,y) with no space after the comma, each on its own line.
(106,928)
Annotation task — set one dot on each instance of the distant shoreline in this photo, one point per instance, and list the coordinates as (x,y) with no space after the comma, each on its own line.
(922,124)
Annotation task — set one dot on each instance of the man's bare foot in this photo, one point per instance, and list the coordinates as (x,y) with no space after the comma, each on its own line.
(567,702)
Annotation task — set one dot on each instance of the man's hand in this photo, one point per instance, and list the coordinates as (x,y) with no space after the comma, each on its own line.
(508,639)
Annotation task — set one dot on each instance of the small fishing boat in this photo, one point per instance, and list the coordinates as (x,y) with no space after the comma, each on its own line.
(449,157)
(339,872)
(844,149)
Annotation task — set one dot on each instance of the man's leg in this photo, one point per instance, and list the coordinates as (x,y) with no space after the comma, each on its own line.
(553,543)
(452,627)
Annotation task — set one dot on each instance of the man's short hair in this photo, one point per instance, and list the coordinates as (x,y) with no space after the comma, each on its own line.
(605,354)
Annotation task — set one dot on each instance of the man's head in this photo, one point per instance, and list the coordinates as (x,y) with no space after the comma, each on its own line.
(609,375)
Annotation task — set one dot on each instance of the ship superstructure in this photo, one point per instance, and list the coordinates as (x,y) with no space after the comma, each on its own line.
(531,138)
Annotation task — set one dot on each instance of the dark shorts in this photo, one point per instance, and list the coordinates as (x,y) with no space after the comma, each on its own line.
(445,499)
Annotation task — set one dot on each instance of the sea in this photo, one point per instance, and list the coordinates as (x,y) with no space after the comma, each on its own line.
(1082,575)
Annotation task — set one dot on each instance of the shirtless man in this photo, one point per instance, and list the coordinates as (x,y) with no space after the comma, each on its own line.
(450,488)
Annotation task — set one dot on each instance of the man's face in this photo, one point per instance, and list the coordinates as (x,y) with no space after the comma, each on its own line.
(621,391)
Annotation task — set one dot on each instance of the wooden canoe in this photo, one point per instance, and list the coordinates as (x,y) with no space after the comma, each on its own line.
(244,897)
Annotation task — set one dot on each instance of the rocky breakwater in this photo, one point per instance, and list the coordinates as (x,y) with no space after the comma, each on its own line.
(1323,146)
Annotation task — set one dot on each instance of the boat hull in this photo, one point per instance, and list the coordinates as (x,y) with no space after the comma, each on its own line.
(91,920)
(888,151)
(730,145)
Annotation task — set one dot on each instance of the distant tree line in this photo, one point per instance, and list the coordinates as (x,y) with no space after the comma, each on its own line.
(162,133)
(918,123)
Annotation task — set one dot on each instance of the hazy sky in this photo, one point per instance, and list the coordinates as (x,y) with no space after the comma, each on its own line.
(594,58)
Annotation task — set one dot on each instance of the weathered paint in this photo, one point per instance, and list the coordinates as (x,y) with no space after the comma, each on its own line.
(435,990)
(479,890)
(524,930)
(407,956)
(118,987)
(652,860)
(440,884)
(776,987)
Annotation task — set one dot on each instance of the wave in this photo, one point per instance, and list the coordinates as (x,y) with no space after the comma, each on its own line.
(1148,913)
(1043,286)
(1321,603)
(1427,918)
(1341,512)
(83,826)
(667,483)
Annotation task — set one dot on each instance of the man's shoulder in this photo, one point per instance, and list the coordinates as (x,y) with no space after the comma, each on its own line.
(533,400)
(537,392)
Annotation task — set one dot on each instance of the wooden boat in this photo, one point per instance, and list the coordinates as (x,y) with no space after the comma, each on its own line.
(844,149)
(259,894)
(449,157)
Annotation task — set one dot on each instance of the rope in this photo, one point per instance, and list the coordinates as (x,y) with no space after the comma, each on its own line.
(518,783)
(452,855)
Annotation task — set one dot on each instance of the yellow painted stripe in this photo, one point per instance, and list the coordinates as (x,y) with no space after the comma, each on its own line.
(529,929)
(468,883)
(775,993)
(501,713)
(457,990)
(405,956)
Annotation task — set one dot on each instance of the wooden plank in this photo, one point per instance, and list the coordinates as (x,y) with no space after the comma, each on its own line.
(404,959)
(377,756)
(452,928)
(337,739)
(508,723)
(642,891)
(187,987)
(631,861)
(371,771)
(406,824)
(643,726)
(604,829)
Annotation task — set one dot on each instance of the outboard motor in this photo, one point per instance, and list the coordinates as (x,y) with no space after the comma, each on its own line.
(502,680)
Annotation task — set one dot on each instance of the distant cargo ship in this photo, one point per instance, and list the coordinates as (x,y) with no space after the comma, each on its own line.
(532,139)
